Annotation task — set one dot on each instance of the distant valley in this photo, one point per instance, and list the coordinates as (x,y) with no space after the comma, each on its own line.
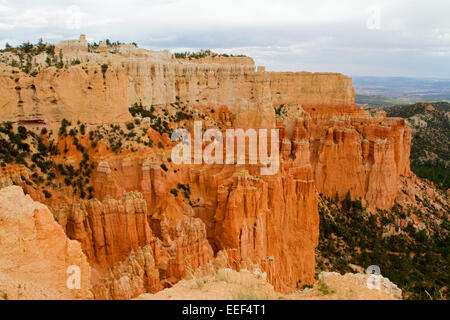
(386,91)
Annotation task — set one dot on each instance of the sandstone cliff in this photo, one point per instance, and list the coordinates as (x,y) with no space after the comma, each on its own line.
(35,253)
(148,222)
(119,242)
(372,151)
(360,154)
(93,93)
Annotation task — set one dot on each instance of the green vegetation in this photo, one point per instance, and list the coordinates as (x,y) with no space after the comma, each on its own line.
(118,138)
(323,287)
(160,119)
(430,148)
(416,260)
(186,189)
(376,101)
(17,147)
(202,54)
(438,173)
(130,126)
(47,194)
(281,111)
(104,69)
(156,122)
(252,293)
(24,56)
(63,128)
(138,109)
(112,46)
(37,151)
(78,178)
(24,147)
(13,147)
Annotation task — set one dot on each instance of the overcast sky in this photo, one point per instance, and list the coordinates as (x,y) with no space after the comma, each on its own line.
(382,38)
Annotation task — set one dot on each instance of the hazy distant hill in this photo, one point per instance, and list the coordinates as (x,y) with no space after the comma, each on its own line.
(430,149)
(384,91)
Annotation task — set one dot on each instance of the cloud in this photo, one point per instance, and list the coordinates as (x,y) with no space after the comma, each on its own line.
(408,38)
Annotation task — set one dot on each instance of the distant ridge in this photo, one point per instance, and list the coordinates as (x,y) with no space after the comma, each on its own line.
(379,91)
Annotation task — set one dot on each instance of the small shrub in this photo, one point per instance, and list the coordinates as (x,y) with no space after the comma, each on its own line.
(323,287)
(251,294)
(47,194)
(104,69)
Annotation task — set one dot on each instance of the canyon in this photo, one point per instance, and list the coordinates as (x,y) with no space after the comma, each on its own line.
(150,223)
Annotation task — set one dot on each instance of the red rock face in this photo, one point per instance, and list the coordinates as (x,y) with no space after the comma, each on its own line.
(139,236)
(35,254)
(271,223)
(111,229)
(266,221)
(230,209)
(353,152)
(108,230)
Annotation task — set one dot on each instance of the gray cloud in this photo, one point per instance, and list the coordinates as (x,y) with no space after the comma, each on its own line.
(412,38)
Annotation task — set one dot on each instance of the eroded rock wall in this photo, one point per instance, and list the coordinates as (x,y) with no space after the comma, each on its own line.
(138,235)
(35,253)
(117,237)
(90,93)
(357,153)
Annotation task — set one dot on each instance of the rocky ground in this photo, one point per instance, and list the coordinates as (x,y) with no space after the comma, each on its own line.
(228,284)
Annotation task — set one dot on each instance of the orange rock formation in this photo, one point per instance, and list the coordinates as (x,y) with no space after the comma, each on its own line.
(139,237)
(35,253)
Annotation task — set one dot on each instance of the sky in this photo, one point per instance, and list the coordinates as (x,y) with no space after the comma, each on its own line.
(408,38)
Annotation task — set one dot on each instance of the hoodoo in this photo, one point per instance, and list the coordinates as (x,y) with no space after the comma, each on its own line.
(99,120)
